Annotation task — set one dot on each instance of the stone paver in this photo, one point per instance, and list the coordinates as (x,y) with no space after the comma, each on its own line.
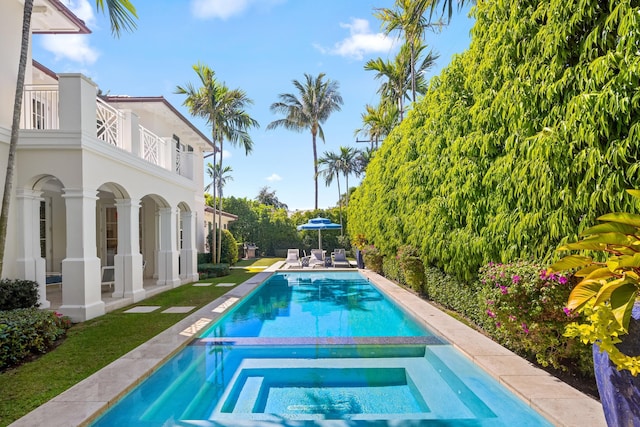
(225,285)
(179,310)
(143,309)
(203,284)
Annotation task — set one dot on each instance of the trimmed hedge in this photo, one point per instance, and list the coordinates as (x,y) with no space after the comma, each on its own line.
(28,331)
(213,270)
(18,294)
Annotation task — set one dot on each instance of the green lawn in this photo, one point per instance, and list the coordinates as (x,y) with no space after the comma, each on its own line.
(93,344)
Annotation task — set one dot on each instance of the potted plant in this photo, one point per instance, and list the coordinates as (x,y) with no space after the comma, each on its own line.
(606,295)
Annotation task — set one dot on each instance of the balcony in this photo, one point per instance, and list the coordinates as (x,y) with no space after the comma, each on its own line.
(42,109)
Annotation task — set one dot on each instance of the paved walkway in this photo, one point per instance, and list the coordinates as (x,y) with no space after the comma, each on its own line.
(554,399)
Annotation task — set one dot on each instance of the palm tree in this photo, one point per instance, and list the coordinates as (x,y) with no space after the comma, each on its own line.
(408,18)
(234,126)
(223,109)
(121,16)
(218,178)
(421,6)
(269,198)
(331,166)
(378,122)
(316,100)
(347,157)
(362,160)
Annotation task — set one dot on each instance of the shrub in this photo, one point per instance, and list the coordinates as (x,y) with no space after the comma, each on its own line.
(391,270)
(373,258)
(228,248)
(452,293)
(204,258)
(525,311)
(213,270)
(17,293)
(28,331)
(412,267)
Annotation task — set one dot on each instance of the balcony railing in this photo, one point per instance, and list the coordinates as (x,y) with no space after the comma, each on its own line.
(40,107)
(40,111)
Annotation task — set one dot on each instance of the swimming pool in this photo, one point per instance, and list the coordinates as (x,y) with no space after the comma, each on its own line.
(318,348)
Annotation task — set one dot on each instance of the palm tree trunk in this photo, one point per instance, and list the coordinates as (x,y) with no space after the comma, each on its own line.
(413,72)
(15,127)
(315,166)
(213,191)
(346,198)
(340,203)
(218,256)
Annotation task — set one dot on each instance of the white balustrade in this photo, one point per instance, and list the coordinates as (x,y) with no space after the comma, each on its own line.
(40,107)
(109,123)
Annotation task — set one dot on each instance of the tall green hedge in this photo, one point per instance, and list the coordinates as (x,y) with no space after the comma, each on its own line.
(520,143)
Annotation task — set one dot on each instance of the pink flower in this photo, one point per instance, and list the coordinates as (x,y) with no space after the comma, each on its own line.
(543,275)
(498,324)
(525,328)
(490,302)
(567,311)
(515,279)
(512,318)
(562,280)
(491,314)
(504,290)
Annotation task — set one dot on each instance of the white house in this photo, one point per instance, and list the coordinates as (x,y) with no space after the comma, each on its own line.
(113,182)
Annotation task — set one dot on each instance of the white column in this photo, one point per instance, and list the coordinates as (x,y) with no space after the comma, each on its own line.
(168,248)
(77,103)
(81,292)
(30,264)
(189,252)
(128,260)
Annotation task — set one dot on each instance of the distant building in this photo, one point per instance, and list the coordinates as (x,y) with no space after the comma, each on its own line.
(227,219)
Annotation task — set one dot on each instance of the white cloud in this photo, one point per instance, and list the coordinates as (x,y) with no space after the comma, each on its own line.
(82,9)
(226,155)
(222,9)
(361,41)
(74,47)
(225,9)
(274,177)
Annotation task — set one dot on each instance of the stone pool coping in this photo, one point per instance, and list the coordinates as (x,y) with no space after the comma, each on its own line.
(560,403)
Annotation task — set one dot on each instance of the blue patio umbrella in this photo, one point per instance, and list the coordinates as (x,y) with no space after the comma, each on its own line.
(319,224)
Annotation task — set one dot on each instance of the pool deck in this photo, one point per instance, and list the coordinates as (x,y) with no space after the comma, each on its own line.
(560,403)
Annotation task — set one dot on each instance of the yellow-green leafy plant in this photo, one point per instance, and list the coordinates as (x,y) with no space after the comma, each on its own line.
(609,286)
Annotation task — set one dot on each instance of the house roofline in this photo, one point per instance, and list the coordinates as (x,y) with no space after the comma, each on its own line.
(82,27)
(45,69)
(162,99)
(215,211)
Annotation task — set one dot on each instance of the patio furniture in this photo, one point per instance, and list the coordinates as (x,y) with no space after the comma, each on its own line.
(108,276)
(293,258)
(339,258)
(317,258)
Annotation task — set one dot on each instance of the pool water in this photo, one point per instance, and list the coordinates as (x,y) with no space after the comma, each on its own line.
(316,305)
(331,368)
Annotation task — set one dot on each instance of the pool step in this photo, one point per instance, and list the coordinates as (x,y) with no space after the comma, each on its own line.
(248,395)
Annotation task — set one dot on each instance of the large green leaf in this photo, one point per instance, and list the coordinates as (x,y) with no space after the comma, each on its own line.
(589,269)
(583,292)
(604,294)
(634,193)
(569,262)
(622,218)
(625,261)
(599,273)
(608,227)
(622,300)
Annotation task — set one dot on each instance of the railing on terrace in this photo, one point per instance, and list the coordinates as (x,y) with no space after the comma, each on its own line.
(40,107)
(152,147)
(40,111)
(109,123)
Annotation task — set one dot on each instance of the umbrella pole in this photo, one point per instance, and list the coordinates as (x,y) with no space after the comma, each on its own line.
(320,239)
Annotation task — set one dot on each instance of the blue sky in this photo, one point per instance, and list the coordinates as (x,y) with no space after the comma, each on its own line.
(259,46)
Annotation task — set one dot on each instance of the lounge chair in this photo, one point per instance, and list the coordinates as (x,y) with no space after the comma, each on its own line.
(317,258)
(108,277)
(293,259)
(339,259)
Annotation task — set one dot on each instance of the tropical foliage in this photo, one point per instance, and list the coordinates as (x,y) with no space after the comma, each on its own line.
(609,287)
(518,144)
